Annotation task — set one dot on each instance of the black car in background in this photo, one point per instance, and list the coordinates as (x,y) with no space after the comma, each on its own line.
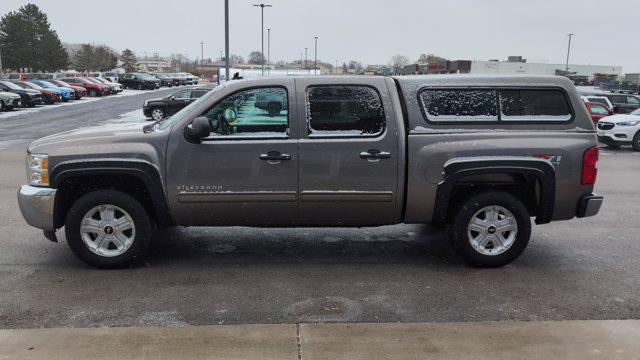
(29,97)
(139,81)
(165,79)
(158,109)
(623,104)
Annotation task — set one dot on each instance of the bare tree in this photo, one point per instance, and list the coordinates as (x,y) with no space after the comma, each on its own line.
(399,60)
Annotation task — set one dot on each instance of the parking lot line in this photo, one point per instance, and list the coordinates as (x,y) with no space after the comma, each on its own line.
(582,340)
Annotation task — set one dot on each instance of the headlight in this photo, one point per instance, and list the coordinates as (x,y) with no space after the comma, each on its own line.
(629,123)
(38,169)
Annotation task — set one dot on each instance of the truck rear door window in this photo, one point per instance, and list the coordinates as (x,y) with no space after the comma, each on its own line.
(534,105)
(344,110)
(464,105)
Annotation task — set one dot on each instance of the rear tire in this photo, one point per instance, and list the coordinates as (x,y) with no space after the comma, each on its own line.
(140,87)
(499,238)
(101,240)
(636,142)
(92,93)
(157,114)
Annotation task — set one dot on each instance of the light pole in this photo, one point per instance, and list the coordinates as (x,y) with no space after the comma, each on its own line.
(262,6)
(305,58)
(0,61)
(201,58)
(568,51)
(269,50)
(315,61)
(226,38)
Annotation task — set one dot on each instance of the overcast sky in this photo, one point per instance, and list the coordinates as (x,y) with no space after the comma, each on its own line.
(369,31)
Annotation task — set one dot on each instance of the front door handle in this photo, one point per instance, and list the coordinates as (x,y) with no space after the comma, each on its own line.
(275,157)
(375,155)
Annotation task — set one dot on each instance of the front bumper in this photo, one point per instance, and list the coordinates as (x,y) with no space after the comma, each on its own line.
(36,205)
(589,205)
(617,134)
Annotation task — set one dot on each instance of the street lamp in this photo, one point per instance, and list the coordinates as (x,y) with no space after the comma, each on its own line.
(201,58)
(315,62)
(305,58)
(226,39)
(269,50)
(568,52)
(262,6)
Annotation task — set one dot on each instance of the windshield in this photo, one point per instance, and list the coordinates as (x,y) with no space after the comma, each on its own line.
(62,83)
(34,86)
(146,77)
(168,122)
(11,85)
(46,84)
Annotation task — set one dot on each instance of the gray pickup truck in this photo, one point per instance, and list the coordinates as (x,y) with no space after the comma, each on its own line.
(479,155)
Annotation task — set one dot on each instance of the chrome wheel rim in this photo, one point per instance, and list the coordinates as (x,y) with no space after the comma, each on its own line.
(157,114)
(492,230)
(107,230)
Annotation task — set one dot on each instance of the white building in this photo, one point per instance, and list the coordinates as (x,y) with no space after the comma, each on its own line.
(511,68)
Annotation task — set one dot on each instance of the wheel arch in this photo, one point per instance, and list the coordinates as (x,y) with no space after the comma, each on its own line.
(479,170)
(138,178)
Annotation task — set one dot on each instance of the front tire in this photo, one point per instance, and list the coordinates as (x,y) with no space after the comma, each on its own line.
(108,229)
(491,229)
(157,114)
(140,87)
(92,93)
(636,142)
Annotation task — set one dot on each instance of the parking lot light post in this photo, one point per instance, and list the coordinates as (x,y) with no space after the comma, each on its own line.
(262,6)
(568,52)
(305,58)
(315,61)
(201,58)
(226,39)
(269,51)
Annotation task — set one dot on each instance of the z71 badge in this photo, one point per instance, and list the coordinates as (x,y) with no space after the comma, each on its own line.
(554,159)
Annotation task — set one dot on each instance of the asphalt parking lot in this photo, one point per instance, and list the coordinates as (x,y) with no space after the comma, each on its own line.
(578,270)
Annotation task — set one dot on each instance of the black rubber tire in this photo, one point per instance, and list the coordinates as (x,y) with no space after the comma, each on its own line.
(140,87)
(636,142)
(137,212)
(164,113)
(458,229)
(92,93)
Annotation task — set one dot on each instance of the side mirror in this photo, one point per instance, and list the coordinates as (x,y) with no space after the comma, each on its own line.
(198,130)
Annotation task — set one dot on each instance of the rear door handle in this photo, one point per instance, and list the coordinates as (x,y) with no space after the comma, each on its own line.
(375,155)
(275,156)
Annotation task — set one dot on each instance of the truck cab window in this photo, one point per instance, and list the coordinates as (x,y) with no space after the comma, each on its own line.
(344,110)
(260,112)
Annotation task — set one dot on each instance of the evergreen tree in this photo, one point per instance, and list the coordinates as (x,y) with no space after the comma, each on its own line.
(128,60)
(28,42)
(105,59)
(85,58)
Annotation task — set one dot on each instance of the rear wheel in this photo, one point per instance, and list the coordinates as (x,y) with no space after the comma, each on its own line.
(108,229)
(636,142)
(92,92)
(140,87)
(491,229)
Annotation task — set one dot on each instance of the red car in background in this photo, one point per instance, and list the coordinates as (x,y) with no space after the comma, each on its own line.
(93,89)
(108,88)
(51,96)
(79,90)
(597,111)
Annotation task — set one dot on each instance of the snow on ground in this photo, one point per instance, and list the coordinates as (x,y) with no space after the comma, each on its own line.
(23,111)
(131,117)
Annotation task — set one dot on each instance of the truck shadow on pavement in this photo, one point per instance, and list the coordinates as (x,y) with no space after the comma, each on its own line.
(387,244)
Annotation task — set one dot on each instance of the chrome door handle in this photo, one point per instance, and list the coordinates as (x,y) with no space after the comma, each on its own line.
(375,155)
(275,156)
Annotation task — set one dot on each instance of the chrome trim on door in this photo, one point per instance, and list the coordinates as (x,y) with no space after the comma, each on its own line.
(346,196)
(237,196)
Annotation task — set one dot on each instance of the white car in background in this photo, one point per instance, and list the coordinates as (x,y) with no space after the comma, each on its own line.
(619,130)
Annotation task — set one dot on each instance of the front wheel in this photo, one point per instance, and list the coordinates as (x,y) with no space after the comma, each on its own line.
(93,92)
(140,87)
(108,229)
(491,229)
(636,142)
(157,114)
